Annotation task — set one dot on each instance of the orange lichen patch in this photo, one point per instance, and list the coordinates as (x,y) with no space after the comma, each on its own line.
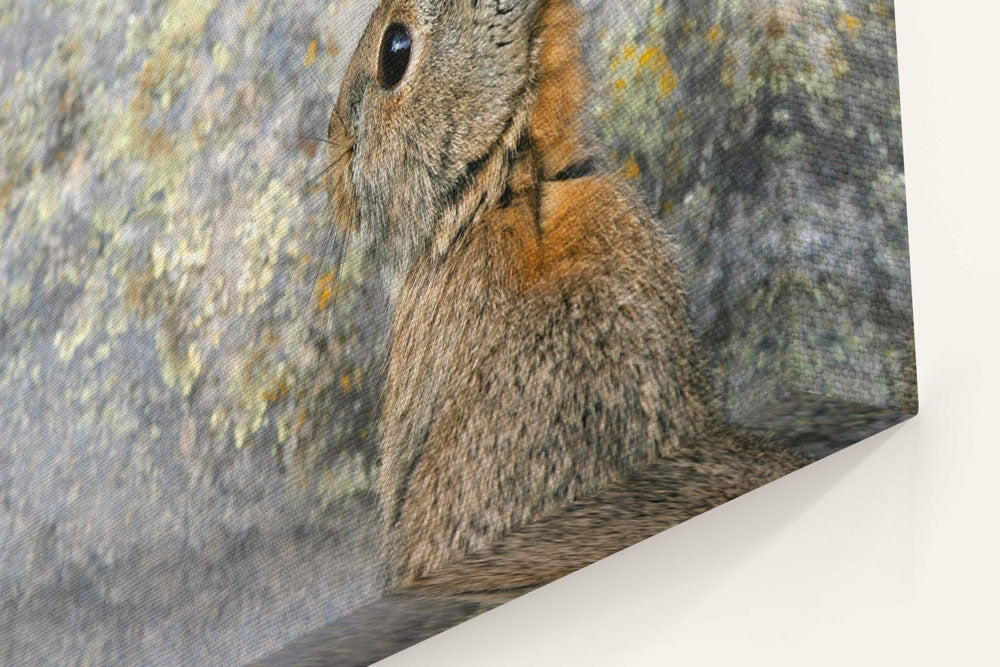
(651,60)
(311,52)
(668,82)
(652,57)
(345,382)
(849,24)
(630,170)
(325,296)
(276,393)
(715,34)
(326,287)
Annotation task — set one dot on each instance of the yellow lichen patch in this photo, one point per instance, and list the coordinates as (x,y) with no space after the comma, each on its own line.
(651,60)
(668,81)
(668,207)
(652,57)
(838,61)
(345,382)
(311,52)
(630,170)
(325,286)
(715,34)
(324,297)
(276,393)
(849,24)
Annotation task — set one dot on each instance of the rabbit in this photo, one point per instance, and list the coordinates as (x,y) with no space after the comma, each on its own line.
(546,401)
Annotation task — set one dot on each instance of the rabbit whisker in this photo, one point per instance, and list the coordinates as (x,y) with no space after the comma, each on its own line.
(310,137)
(341,121)
(326,246)
(336,161)
(321,88)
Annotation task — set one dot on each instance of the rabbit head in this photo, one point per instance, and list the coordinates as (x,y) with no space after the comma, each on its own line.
(427,121)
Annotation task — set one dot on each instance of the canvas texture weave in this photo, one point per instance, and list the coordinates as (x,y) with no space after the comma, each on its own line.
(300,361)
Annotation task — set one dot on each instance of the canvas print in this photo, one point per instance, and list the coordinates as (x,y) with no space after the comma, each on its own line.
(327,325)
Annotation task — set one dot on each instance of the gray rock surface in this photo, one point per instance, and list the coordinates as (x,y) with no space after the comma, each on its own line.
(767,133)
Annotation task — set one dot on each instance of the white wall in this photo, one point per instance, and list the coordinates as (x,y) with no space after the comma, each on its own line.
(886,553)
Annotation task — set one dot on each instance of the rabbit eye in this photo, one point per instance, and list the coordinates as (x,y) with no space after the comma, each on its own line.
(394,56)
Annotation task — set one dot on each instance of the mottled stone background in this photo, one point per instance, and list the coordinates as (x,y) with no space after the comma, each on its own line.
(188,393)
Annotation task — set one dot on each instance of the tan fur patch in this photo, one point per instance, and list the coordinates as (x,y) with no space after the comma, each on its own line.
(556,124)
(564,242)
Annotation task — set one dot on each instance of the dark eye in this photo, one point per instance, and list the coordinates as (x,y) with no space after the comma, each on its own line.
(394,55)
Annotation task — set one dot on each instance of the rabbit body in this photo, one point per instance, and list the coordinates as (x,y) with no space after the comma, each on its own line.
(530,366)
(540,347)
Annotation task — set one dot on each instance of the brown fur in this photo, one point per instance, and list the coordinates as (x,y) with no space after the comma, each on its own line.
(541,352)
(707,472)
